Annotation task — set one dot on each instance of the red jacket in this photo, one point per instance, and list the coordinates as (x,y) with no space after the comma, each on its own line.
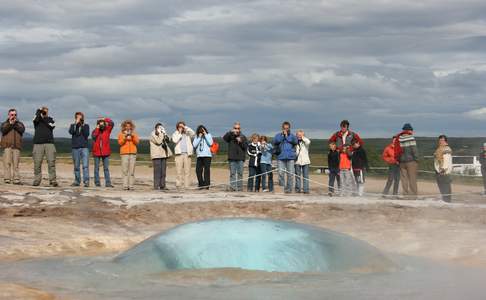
(101,144)
(389,155)
(338,139)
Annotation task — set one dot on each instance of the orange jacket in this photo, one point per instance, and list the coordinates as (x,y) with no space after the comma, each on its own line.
(128,146)
(389,155)
(344,161)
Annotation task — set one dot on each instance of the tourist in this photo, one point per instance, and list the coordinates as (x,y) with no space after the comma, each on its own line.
(333,168)
(348,183)
(407,153)
(159,153)
(389,156)
(44,146)
(79,132)
(359,161)
(101,150)
(202,143)
(12,133)
(343,137)
(302,163)
(443,168)
(284,143)
(128,140)
(482,160)
(254,171)
(236,156)
(183,149)
(266,164)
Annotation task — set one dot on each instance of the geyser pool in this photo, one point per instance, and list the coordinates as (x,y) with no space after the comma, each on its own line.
(252,244)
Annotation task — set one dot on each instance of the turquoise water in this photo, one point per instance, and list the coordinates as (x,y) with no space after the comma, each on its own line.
(252,244)
(312,264)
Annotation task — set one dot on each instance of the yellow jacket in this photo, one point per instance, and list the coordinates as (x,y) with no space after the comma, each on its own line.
(128,146)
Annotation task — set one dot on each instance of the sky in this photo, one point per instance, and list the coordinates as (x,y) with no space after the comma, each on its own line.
(378,63)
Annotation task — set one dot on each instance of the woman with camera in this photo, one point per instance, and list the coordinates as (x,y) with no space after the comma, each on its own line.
(202,143)
(183,149)
(128,140)
(159,152)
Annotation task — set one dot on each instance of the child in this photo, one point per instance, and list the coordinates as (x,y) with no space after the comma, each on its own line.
(333,165)
(482,159)
(359,164)
(348,184)
(302,163)
(255,153)
(266,164)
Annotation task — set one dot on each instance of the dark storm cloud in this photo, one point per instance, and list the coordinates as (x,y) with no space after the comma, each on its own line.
(377,63)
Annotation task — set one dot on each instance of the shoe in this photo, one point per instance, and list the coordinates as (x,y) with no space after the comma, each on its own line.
(264,191)
(54,184)
(7,181)
(97,185)
(126,189)
(86,185)
(109,185)
(36,183)
(75,184)
(329,194)
(17,183)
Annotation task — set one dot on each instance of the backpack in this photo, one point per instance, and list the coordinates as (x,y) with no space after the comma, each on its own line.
(214,147)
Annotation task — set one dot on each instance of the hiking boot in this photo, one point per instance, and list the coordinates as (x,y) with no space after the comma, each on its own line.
(86,184)
(54,184)
(36,183)
(75,184)
(6,181)
(109,185)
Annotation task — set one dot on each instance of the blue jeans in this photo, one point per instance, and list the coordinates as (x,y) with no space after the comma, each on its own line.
(302,175)
(254,179)
(106,169)
(286,167)
(265,168)
(81,157)
(236,174)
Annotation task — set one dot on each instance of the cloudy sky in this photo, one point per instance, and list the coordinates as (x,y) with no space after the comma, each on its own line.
(378,63)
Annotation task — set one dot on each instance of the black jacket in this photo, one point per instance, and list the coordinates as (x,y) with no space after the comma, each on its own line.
(236,150)
(360,160)
(333,160)
(44,127)
(79,135)
(255,154)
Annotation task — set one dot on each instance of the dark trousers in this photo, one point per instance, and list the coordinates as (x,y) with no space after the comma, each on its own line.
(334,177)
(483,171)
(160,172)
(445,186)
(203,171)
(266,170)
(254,178)
(393,178)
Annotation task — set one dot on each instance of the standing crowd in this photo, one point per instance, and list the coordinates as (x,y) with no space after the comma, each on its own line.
(347,159)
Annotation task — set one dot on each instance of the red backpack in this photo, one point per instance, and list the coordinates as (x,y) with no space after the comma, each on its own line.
(214,147)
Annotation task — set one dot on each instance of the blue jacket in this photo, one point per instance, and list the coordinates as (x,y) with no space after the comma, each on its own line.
(203,145)
(286,146)
(79,135)
(267,153)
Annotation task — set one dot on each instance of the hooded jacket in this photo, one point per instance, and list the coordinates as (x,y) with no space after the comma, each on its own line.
(286,145)
(302,152)
(267,154)
(43,129)
(101,139)
(79,135)
(12,135)
(203,145)
(359,160)
(159,146)
(236,150)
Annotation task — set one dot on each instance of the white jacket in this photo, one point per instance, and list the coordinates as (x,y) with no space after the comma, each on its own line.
(177,137)
(156,149)
(302,152)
